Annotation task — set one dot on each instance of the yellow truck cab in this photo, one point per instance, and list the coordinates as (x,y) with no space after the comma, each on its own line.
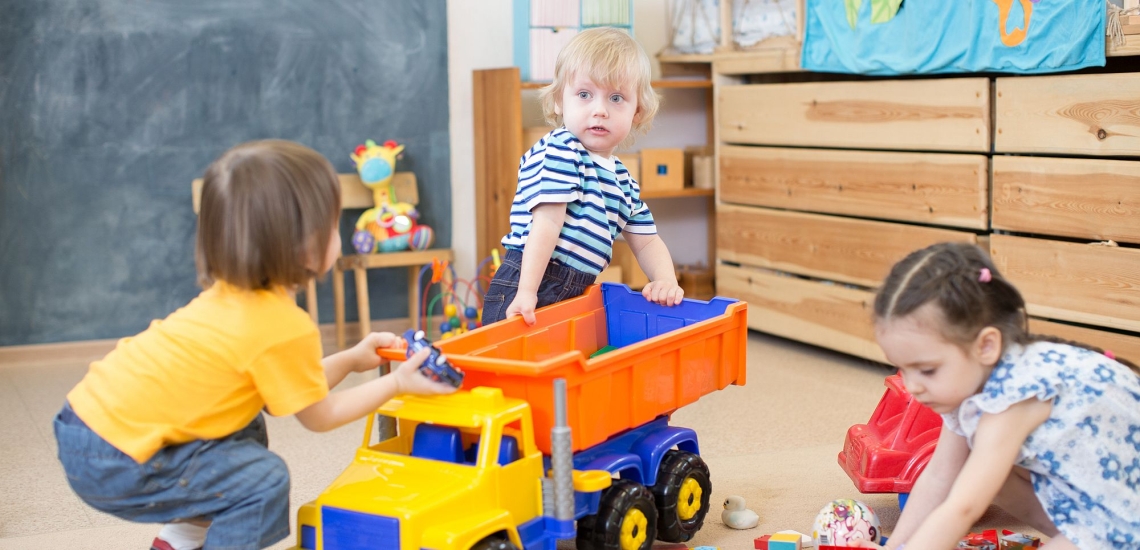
(462,471)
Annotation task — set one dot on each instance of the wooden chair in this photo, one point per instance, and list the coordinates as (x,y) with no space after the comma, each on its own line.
(355,195)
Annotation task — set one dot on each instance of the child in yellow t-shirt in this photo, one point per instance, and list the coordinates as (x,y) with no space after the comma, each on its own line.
(167,428)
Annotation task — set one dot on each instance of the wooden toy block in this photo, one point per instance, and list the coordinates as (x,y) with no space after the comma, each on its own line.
(662,170)
(1018,541)
(633,166)
(761,543)
(784,541)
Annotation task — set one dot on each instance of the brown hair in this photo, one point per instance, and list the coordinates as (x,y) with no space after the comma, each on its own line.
(609,57)
(268,211)
(949,275)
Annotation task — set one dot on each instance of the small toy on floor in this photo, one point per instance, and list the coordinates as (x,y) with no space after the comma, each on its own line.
(736,516)
(784,540)
(989,540)
(1017,541)
(779,541)
(844,521)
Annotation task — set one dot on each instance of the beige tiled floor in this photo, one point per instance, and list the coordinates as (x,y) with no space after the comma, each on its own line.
(773,441)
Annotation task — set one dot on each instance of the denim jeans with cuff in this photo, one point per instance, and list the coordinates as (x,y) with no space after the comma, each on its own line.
(559,282)
(234,482)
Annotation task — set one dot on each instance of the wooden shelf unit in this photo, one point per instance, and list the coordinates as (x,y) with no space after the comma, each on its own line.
(818,196)
(499,142)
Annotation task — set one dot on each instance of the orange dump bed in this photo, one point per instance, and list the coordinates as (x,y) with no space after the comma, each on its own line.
(666,358)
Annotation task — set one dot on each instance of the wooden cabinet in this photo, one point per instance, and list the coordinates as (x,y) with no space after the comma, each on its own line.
(1069,234)
(1068,115)
(1089,199)
(931,115)
(927,188)
(822,186)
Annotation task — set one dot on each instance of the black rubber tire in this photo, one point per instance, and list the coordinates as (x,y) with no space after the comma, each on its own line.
(495,543)
(602,531)
(676,467)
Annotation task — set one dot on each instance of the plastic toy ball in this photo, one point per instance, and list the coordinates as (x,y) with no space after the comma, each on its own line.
(363,242)
(454,321)
(449,310)
(446,335)
(471,325)
(445,327)
(470,312)
(844,521)
(422,237)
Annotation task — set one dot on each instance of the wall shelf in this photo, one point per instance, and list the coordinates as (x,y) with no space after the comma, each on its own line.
(686,192)
(658,84)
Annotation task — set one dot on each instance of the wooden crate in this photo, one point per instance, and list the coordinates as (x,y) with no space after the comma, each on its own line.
(1123,345)
(1077,114)
(933,115)
(1094,285)
(848,250)
(939,189)
(1083,198)
(828,315)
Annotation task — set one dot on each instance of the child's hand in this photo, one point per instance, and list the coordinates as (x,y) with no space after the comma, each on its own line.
(364,353)
(665,292)
(409,379)
(523,304)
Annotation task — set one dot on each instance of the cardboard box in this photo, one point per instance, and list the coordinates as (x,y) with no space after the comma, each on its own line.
(611,274)
(632,274)
(662,170)
(696,281)
(531,135)
(699,167)
(632,165)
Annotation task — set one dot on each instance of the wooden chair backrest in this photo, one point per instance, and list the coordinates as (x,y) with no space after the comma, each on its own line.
(353,193)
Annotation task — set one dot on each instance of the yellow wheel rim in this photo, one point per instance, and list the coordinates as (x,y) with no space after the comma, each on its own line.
(633,529)
(689,499)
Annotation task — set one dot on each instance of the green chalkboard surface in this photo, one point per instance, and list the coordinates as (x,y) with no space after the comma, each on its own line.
(109,108)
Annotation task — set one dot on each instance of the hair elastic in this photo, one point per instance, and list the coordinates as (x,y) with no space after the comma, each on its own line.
(1108,353)
(985,276)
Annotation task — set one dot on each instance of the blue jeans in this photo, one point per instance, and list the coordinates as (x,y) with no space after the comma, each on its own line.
(234,482)
(560,282)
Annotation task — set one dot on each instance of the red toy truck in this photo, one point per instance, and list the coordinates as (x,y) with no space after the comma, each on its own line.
(887,454)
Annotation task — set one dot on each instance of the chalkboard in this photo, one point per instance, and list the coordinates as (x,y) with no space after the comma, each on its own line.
(109,108)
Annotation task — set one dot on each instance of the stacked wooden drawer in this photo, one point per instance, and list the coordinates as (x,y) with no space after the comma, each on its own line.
(810,218)
(1048,209)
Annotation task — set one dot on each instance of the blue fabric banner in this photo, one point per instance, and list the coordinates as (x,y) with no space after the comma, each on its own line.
(890,37)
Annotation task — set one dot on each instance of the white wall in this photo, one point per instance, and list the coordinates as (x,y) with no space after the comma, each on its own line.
(681,122)
(478,37)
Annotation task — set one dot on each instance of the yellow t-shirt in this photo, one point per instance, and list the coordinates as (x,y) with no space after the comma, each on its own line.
(204,372)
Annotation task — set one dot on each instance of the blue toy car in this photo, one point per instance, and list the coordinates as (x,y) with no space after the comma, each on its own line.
(435,366)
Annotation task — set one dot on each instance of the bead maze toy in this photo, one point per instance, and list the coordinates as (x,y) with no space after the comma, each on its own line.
(547,444)
(459,315)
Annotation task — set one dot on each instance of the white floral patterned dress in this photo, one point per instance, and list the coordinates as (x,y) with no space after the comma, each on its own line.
(1085,458)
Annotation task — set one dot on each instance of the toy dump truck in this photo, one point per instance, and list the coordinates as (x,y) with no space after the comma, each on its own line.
(470,470)
(887,454)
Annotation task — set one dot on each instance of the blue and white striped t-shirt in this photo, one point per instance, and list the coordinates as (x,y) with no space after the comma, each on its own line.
(601,202)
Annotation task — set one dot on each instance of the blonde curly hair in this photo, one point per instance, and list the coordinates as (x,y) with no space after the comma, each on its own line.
(609,57)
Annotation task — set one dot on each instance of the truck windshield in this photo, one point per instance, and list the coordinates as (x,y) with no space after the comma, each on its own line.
(429,441)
